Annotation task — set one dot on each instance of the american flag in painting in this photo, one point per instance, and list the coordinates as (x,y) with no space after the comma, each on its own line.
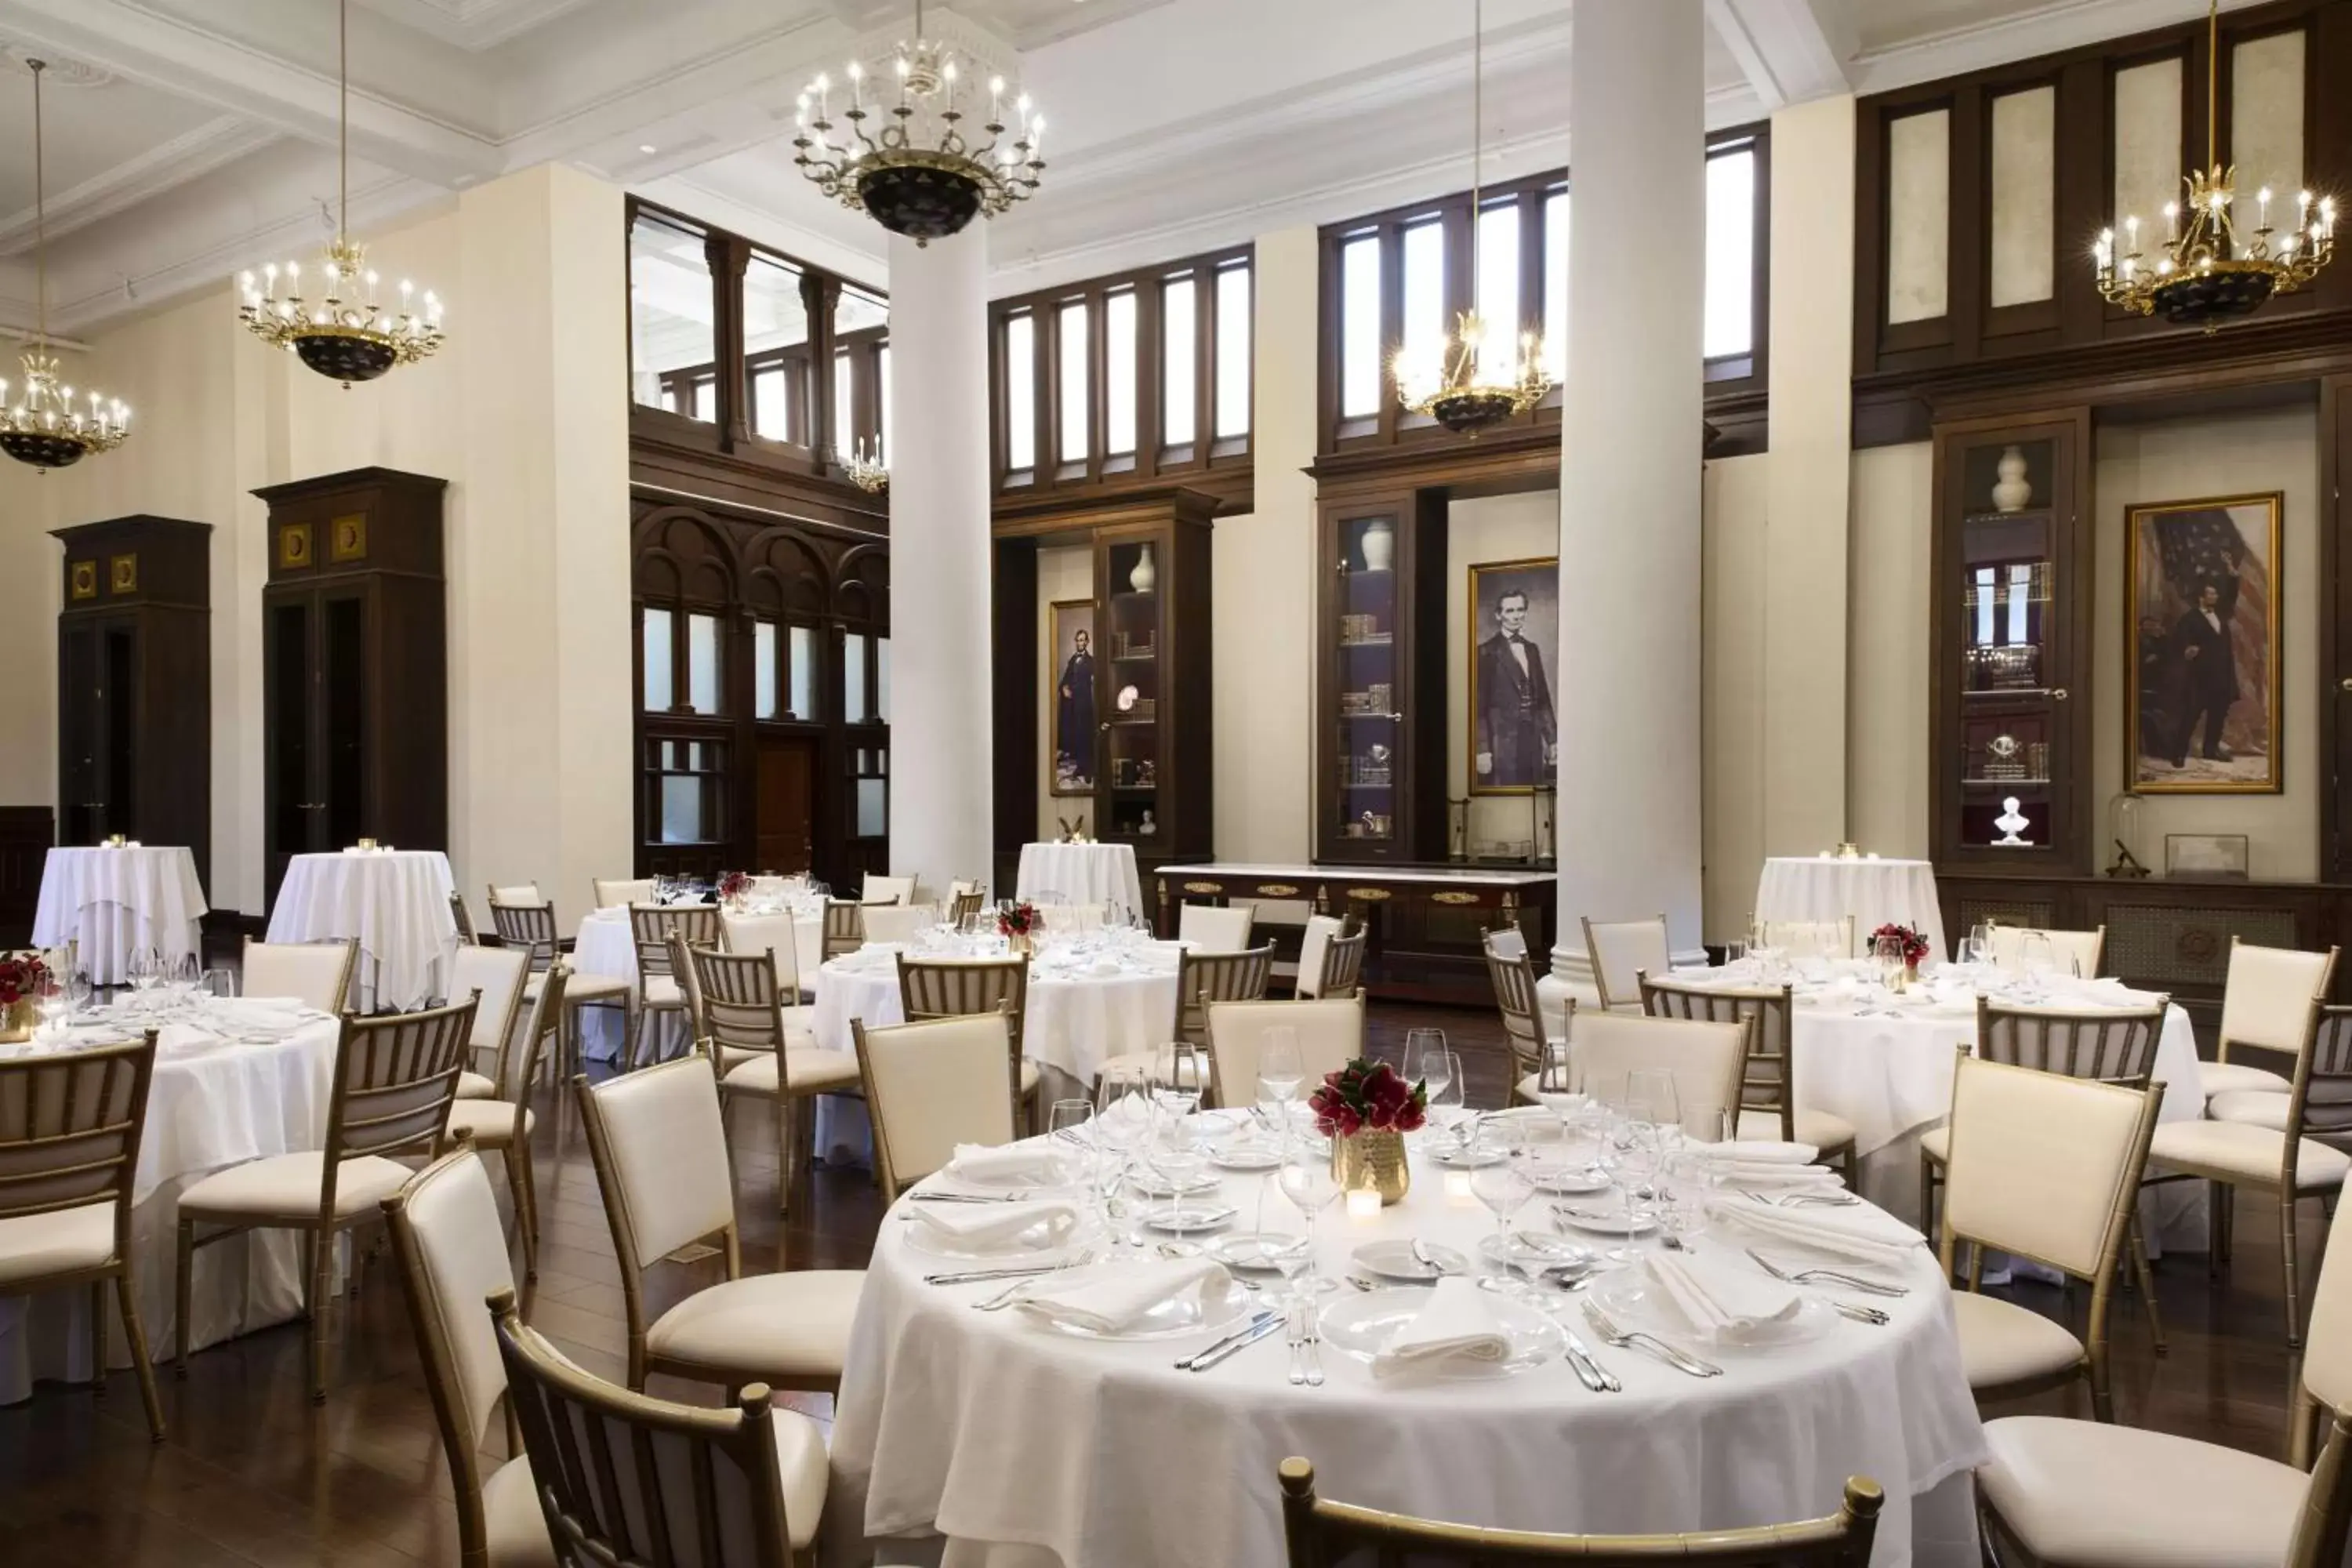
(2198,548)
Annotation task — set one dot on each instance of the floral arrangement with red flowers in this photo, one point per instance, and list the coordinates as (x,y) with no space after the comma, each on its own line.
(21,977)
(734,884)
(1915,942)
(1368,1095)
(1017,919)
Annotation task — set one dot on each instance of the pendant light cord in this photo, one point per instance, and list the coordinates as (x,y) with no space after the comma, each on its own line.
(1477,130)
(40,217)
(2213,85)
(343,118)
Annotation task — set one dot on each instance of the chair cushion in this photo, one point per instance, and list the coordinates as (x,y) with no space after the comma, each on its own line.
(1825,1132)
(1526,1090)
(474,1086)
(2255,1107)
(801,1462)
(784,1328)
(511,1520)
(2232,1077)
(491,1121)
(1937,1143)
(2239,1151)
(286,1187)
(2082,1494)
(812,1069)
(2001,1342)
(60,1243)
(580,988)
(661,991)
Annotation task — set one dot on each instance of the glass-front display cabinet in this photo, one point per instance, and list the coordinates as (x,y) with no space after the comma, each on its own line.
(1380,766)
(2009,611)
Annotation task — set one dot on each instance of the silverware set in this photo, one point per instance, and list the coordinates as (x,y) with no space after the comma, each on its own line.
(1639,1339)
(1589,1371)
(1259,1326)
(1825,1277)
(1305,1347)
(1798,1200)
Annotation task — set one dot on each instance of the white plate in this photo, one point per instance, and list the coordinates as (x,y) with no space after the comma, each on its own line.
(1037,1244)
(1358,1325)
(1393,1259)
(1533,1249)
(1477,1157)
(1256,1250)
(1185,1219)
(1250,1155)
(1628,1295)
(1152,1184)
(1190,1314)
(1563,1179)
(1603,1221)
(1066,1173)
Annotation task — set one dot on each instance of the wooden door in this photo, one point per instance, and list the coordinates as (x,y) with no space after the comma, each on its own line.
(82,731)
(783,810)
(289,750)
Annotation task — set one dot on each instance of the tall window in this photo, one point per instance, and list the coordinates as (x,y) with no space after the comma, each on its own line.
(1730,320)
(1119,374)
(1178,355)
(1498,285)
(673,341)
(861,332)
(1072,384)
(1019,403)
(776,349)
(1232,350)
(1359,325)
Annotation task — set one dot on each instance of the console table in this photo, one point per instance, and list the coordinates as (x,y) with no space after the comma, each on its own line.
(1424,922)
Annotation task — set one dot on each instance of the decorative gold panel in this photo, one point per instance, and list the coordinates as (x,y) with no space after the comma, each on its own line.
(1369,895)
(1452,897)
(82,580)
(1277,891)
(1204,887)
(122,575)
(347,538)
(294,545)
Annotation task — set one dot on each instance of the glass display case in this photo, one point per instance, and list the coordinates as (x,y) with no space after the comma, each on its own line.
(2010,610)
(1379,773)
(1129,700)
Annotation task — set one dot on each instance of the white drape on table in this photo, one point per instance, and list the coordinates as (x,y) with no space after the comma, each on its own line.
(114,901)
(397,902)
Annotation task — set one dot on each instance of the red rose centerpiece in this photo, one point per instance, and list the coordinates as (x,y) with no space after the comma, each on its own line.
(1913,942)
(1366,1109)
(1017,924)
(734,887)
(23,977)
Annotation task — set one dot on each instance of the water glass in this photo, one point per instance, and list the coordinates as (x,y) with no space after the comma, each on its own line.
(1734,951)
(145,966)
(221,983)
(1684,1184)
(78,989)
(1280,1068)
(1420,1045)
(1505,1189)
(1887,952)
(1122,1108)
(1446,1107)
(1071,1122)
(49,1000)
(1307,1182)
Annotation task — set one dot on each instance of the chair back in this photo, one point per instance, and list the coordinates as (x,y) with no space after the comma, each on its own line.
(1330,1032)
(2078,951)
(2111,1045)
(963,906)
(1768,1009)
(930,988)
(2045,1167)
(898,924)
(887,890)
(71,1126)
(1320,930)
(1209,928)
(453,1255)
(623,1477)
(1819,939)
(968,887)
(499,974)
(931,1085)
(1704,1055)
(396,1078)
(619,893)
(2324,1523)
(516,893)
(1205,977)
(738,1002)
(543,1023)
(1343,966)
(463,917)
(1620,951)
(652,925)
(1322,1534)
(660,1152)
(845,928)
(1513,977)
(531,927)
(2327,1082)
(2271,997)
(777,935)
(316,973)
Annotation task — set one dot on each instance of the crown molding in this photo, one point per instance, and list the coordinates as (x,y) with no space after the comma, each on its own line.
(473,25)
(2054,29)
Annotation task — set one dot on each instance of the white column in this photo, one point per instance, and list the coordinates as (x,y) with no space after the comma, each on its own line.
(1628,685)
(942,747)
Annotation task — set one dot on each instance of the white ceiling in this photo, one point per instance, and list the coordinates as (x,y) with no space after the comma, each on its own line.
(203,137)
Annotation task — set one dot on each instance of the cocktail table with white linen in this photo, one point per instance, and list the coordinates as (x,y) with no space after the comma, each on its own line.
(1102,874)
(115,902)
(396,901)
(234,1081)
(1021,1442)
(1871,892)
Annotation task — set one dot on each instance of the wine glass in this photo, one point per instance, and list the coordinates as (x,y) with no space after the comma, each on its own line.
(78,989)
(1280,1068)
(2033,956)
(1686,1181)
(1436,1068)
(1420,1045)
(1446,1107)
(1505,1189)
(1122,1107)
(1556,1080)
(145,966)
(1181,1072)
(221,983)
(1976,948)
(1307,1182)
(50,1002)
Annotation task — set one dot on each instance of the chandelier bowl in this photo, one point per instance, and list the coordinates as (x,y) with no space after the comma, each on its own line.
(1474,408)
(344,356)
(922,198)
(40,450)
(2210,295)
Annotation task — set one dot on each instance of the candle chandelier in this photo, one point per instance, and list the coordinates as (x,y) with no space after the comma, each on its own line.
(917,173)
(49,428)
(2207,271)
(1468,382)
(864,467)
(345,333)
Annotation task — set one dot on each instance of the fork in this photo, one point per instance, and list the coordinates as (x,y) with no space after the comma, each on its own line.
(1313,1350)
(1681,1361)
(1012,1292)
(1824,1277)
(1295,1333)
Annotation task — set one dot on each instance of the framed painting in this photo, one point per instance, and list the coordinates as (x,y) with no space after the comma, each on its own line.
(1076,696)
(1514,615)
(2201,620)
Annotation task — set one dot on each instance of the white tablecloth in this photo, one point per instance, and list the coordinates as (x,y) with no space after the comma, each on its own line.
(1874,892)
(212,1104)
(1081,874)
(1023,1444)
(114,901)
(605,945)
(396,901)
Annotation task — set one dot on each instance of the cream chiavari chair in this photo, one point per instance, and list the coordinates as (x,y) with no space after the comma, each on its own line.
(531,926)
(516,893)
(887,890)
(739,1002)
(2075,950)
(502,1126)
(1706,1058)
(2267,997)
(1816,939)
(316,973)
(2327,1107)
(661,988)
(1621,953)
(619,893)
(1330,1033)
(932,988)
(500,974)
(1768,1107)
(464,918)
(929,1086)
(1312,943)
(899,925)
(1513,977)
(845,928)
(395,1077)
(963,906)
(1211,927)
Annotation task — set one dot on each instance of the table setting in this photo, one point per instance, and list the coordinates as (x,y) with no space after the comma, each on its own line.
(1137,1305)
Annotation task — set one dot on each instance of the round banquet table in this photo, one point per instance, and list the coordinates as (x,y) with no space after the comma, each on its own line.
(1080,874)
(987,1439)
(605,945)
(215,1101)
(1873,892)
(396,901)
(115,902)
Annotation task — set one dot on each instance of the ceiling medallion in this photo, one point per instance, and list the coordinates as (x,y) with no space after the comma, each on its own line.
(918,175)
(1463,382)
(48,429)
(19,58)
(345,334)
(2209,273)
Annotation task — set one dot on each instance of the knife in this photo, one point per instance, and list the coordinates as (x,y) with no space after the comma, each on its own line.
(1257,1328)
(1577,1351)
(976,1276)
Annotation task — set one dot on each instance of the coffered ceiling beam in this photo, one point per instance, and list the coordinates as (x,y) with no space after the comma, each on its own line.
(1792,50)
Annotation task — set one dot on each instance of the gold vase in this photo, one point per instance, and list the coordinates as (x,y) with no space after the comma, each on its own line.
(1371,1159)
(17,1021)
(1022,945)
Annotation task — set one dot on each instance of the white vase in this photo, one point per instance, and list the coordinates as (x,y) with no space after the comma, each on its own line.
(1146,577)
(1380,545)
(2012,489)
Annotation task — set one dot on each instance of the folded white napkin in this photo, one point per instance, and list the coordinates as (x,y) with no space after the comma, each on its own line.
(1755,1152)
(253,1014)
(1751,1175)
(1014,1162)
(985,1225)
(1859,1232)
(1456,1325)
(1722,1303)
(1113,1300)
(1130,1113)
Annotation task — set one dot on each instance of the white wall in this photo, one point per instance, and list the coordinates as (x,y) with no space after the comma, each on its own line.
(1480,531)
(1732,615)
(1886,711)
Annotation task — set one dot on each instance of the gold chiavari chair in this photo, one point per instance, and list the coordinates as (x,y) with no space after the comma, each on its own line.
(2076,952)
(1202,978)
(930,1087)
(464,918)
(963,906)
(316,973)
(739,1014)
(1513,972)
(887,890)
(1620,951)
(1768,1107)
(619,893)
(396,1078)
(2327,1107)
(531,927)
(661,989)
(502,1125)
(624,1479)
(70,1127)
(845,928)
(1323,1534)
(1214,928)
(932,988)
(1343,967)
(2267,995)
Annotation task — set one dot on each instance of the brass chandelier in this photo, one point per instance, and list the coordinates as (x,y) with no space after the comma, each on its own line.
(49,427)
(1457,381)
(345,333)
(2209,273)
(918,174)
(864,467)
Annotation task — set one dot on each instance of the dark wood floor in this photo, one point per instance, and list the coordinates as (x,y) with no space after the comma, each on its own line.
(252,1475)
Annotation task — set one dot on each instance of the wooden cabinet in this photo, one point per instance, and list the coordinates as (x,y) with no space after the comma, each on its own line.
(134,684)
(1380,723)
(354,661)
(2009,615)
